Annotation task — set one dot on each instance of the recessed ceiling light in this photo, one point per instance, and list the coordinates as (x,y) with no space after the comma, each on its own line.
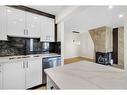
(8,10)
(110,7)
(121,15)
(35,17)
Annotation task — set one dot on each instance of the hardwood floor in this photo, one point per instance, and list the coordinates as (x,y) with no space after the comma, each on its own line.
(76,59)
(41,88)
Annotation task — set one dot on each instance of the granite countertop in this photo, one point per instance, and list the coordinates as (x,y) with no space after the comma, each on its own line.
(87,75)
(25,57)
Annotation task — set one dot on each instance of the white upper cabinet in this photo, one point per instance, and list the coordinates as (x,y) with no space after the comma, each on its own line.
(47,29)
(22,24)
(1,71)
(33,72)
(15,22)
(50,29)
(43,33)
(14,75)
(26,24)
(60,29)
(33,25)
(3,31)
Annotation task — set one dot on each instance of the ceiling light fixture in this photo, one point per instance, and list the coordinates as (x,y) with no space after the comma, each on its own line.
(110,7)
(8,11)
(35,17)
(121,15)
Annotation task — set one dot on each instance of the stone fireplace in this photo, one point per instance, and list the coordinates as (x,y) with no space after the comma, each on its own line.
(102,38)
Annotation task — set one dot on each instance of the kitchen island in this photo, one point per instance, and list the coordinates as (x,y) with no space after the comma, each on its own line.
(86,75)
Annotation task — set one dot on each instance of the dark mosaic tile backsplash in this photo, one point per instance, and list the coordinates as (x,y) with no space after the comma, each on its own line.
(14,46)
(6,49)
(23,46)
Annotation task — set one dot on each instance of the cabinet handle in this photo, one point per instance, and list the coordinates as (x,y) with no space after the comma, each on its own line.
(49,37)
(46,37)
(0,68)
(27,64)
(24,32)
(27,31)
(23,64)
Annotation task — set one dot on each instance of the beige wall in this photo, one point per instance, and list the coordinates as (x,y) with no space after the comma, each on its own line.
(87,46)
(70,49)
(85,49)
(125,46)
(121,45)
(102,39)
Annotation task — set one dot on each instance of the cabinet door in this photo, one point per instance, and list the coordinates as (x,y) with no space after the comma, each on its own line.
(43,32)
(15,22)
(34,72)
(51,29)
(60,27)
(47,29)
(33,25)
(3,32)
(1,71)
(14,75)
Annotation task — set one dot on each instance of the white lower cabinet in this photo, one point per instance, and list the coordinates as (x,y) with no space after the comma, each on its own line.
(1,76)
(34,72)
(14,75)
(22,74)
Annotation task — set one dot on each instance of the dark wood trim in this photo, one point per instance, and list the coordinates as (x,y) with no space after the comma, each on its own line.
(28,9)
(76,59)
(115,45)
(55,32)
(35,87)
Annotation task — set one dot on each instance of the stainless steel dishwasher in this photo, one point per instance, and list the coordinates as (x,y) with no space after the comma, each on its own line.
(49,62)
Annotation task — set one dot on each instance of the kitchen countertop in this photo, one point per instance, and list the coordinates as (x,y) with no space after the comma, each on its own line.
(25,57)
(87,75)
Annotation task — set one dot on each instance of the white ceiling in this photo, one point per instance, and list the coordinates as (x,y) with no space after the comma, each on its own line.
(95,16)
(55,10)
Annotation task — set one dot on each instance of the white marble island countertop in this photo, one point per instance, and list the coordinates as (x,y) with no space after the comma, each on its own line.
(87,75)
